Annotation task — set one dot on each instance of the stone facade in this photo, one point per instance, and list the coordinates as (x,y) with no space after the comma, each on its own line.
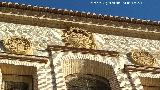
(65,47)
(40,37)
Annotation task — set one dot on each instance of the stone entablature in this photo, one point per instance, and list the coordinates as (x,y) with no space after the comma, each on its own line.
(112,25)
(107,22)
(41,36)
(51,31)
(49,12)
(56,23)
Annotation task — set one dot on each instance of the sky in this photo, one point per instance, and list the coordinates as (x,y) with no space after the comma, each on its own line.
(139,9)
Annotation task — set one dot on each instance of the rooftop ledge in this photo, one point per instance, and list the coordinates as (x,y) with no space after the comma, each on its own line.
(63,19)
(77,13)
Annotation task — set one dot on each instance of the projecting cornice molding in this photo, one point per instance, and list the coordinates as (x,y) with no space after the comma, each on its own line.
(82,50)
(58,18)
(27,58)
(77,13)
(142,69)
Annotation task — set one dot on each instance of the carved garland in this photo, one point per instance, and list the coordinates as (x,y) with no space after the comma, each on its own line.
(75,37)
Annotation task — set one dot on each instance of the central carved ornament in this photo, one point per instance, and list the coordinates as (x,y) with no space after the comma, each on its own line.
(143,58)
(18,45)
(79,38)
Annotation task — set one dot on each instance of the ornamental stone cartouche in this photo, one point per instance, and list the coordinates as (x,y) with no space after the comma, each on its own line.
(18,45)
(79,38)
(142,57)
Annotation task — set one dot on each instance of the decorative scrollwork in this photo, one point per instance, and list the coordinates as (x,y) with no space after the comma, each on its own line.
(18,45)
(142,57)
(76,37)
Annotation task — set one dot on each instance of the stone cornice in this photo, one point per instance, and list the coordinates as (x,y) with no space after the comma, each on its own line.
(76,13)
(63,24)
(143,69)
(27,58)
(56,18)
(82,50)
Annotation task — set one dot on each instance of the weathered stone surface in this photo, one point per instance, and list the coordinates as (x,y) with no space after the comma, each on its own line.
(124,45)
(40,37)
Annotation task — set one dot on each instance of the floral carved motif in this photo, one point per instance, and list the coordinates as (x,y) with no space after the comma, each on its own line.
(79,38)
(18,45)
(143,58)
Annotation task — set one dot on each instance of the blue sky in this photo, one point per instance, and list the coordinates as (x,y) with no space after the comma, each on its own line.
(140,9)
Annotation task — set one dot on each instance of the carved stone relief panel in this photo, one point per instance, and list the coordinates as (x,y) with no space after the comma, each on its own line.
(18,45)
(76,37)
(142,58)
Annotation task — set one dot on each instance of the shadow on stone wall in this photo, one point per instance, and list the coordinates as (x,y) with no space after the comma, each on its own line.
(2,47)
